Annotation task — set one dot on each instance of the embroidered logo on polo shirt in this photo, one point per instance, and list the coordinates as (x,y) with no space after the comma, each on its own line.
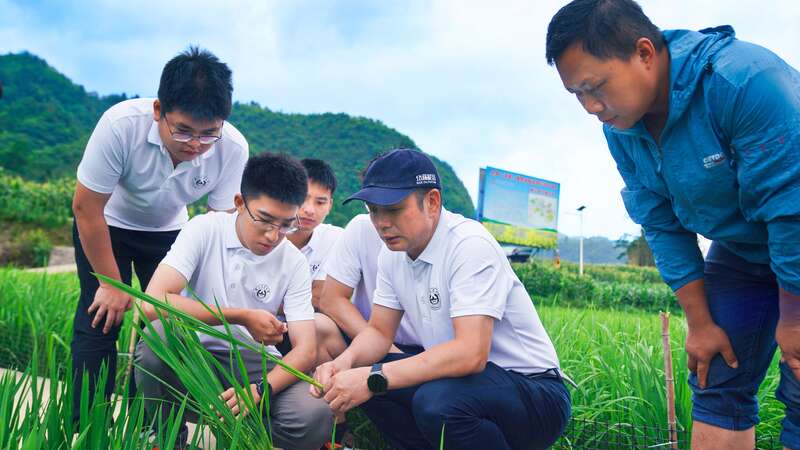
(434,300)
(713,160)
(261,292)
(426,178)
(200,181)
(314,268)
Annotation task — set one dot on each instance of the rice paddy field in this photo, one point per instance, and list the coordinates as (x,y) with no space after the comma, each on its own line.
(610,346)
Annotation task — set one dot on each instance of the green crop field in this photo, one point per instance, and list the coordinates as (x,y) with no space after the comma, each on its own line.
(613,354)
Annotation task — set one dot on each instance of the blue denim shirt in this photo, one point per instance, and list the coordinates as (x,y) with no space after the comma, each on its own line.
(728,164)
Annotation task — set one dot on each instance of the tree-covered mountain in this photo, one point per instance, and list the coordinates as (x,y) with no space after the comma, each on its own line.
(45,120)
(596,250)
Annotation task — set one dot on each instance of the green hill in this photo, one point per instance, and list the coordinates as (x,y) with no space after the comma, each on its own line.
(45,120)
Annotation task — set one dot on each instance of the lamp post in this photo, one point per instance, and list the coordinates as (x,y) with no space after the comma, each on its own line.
(580,264)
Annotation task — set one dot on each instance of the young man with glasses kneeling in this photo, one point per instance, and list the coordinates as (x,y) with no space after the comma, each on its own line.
(243,262)
(488,377)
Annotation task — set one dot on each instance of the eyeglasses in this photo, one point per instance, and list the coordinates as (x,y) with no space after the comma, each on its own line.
(265,226)
(183,137)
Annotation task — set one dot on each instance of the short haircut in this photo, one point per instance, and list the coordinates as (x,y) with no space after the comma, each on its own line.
(420,194)
(320,172)
(196,83)
(605,28)
(277,176)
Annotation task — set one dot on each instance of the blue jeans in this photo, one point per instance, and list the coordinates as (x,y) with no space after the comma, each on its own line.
(743,300)
(495,409)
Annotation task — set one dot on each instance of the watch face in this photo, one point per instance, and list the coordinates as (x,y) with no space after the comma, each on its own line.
(376,383)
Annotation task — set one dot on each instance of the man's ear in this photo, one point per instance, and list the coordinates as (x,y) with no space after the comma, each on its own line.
(433,200)
(645,50)
(238,201)
(156,110)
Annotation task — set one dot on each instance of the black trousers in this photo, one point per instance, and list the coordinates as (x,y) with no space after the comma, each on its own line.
(133,250)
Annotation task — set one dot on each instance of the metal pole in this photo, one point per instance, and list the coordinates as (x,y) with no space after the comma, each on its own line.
(669,381)
(580,213)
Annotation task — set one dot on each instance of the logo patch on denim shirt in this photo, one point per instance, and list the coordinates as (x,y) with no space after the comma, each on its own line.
(714,160)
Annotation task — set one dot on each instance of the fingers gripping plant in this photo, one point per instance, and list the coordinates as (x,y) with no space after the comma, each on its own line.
(199,372)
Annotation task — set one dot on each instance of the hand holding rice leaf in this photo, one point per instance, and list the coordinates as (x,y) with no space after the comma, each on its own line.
(201,327)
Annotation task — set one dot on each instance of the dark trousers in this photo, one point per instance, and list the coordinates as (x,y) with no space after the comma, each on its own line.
(495,409)
(139,250)
(743,299)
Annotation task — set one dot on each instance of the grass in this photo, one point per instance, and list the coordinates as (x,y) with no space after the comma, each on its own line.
(47,422)
(617,361)
(614,356)
(38,415)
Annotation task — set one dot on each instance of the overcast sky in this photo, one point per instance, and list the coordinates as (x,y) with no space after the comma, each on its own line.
(466,80)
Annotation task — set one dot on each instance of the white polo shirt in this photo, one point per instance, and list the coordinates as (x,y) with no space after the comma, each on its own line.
(319,248)
(209,254)
(126,158)
(464,272)
(354,263)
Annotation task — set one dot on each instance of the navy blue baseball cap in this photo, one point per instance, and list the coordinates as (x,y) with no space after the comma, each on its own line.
(392,177)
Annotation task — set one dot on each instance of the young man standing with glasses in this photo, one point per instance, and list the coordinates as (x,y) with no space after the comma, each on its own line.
(145,161)
(243,262)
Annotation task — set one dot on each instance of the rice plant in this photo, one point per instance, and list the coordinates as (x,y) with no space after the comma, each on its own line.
(614,356)
(617,362)
(36,413)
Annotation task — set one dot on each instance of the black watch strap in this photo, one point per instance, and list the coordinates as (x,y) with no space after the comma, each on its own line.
(377,382)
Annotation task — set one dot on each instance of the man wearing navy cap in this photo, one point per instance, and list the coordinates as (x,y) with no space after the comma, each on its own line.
(489,376)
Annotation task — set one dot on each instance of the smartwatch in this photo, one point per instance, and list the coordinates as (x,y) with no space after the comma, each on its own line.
(377,382)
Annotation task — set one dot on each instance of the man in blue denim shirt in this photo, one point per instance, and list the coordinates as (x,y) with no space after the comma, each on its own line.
(705,131)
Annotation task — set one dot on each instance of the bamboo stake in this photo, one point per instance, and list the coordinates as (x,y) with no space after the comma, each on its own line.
(132,343)
(669,381)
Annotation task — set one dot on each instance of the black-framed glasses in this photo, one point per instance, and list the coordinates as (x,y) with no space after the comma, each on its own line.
(184,137)
(265,226)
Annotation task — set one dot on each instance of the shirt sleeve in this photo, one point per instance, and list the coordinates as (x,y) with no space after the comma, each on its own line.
(342,262)
(761,120)
(477,281)
(221,197)
(297,301)
(103,160)
(187,250)
(385,294)
(674,248)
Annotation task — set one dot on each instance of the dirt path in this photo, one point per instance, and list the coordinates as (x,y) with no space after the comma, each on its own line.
(56,269)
